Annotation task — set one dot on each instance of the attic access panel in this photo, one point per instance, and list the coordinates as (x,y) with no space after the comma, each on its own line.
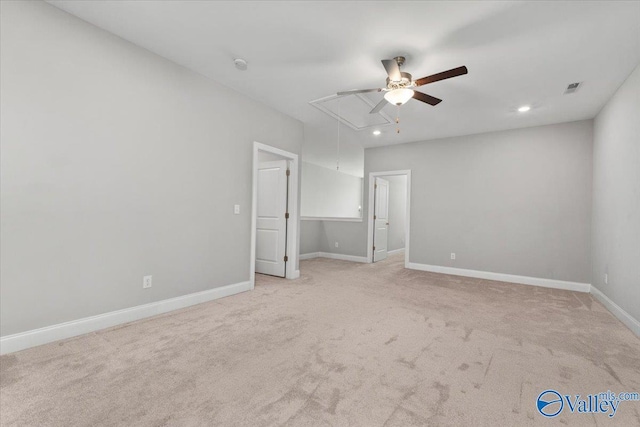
(352,110)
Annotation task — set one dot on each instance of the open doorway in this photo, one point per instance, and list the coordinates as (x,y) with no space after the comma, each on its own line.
(389,214)
(274,218)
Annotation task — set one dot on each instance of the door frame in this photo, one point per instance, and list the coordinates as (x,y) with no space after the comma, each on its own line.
(376,216)
(372,177)
(292,271)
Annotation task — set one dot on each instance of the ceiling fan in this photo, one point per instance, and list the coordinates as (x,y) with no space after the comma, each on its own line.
(400,85)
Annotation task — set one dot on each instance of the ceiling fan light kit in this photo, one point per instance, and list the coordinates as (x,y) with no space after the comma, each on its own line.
(399,96)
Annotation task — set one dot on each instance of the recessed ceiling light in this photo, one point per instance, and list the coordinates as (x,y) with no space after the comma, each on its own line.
(376,132)
(524,108)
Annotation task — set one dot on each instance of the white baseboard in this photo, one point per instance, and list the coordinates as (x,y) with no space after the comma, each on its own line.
(330,218)
(35,337)
(629,321)
(330,255)
(343,257)
(395,251)
(501,277)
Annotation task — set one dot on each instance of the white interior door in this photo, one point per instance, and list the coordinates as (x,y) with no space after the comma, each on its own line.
(271,224)
(381,219)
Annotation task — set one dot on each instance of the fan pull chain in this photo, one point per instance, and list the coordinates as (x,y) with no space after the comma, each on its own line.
(338,145)
(398,120)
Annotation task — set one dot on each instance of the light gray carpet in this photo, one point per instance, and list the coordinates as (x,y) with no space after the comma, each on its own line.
(346,344)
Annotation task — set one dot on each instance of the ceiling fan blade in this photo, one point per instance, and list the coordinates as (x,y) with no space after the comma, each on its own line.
(354,91)
(379,107)
(393,70)
(431,100)
(455,72)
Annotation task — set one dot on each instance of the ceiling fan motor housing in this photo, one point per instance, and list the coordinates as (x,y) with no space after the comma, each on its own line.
(400,60)
(405,81)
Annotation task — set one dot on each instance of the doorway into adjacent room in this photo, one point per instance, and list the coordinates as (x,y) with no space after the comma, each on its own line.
(389,213)
(274,213)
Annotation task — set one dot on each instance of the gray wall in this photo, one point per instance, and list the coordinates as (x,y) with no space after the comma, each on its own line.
(397,211)
(515,202)
(311,236)
(329,193)
(116,163)
(321,236)
(349,235)
(616,197)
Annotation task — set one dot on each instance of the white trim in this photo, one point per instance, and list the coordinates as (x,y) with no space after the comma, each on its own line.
(407,231)
(501,277)
(35,337)
(342,257)
(292,226)
(310,255)
(317,103)
(314,218)
(395,251)
(629,321)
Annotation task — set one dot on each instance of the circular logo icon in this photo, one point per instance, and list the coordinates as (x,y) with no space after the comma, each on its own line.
(550,403)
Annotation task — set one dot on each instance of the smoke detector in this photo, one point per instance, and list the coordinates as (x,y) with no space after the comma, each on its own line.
(572,88)
(240,64)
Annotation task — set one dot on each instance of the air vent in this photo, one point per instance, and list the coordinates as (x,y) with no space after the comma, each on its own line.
(572,88)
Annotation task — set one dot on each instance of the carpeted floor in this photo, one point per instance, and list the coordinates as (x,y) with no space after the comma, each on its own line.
(345,345)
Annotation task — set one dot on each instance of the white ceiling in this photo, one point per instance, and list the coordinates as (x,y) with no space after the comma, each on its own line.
(329,145)
(517,53)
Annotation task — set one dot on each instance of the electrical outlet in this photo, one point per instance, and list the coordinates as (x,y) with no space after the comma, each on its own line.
(236,209)
(606,279)
(337,244)
(146,282)
(453,255)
